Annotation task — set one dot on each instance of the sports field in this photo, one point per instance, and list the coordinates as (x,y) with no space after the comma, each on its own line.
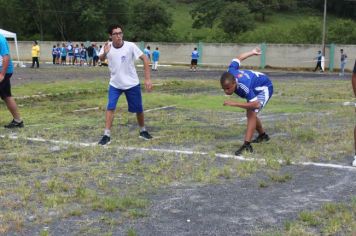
(55,180)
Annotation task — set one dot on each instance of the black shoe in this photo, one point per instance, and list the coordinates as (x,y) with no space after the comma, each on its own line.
(14,124)
(244,148)
(105,140)
(145,135)
(261,138)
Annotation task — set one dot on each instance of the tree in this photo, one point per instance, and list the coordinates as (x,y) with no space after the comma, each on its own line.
(342,31)
(151,22)
(206,12)
(236,19)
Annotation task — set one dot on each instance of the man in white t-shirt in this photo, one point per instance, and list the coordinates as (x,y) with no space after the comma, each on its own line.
(121,56)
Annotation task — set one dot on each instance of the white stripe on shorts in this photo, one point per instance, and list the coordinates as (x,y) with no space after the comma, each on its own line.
(262,97)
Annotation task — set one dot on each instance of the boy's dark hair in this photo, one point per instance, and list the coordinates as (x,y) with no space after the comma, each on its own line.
(195,48)
(148,47)
(227,76)
(35,42)
(115,26)
(156,48)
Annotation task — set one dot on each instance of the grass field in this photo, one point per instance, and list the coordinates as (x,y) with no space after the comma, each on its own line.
(96,189)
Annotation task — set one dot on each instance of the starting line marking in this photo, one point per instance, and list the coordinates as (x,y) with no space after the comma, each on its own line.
(87,109)
(349,104)
(185,152)
(160,108)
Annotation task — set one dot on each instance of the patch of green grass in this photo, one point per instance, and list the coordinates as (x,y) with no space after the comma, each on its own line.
(280,178)
(331,219)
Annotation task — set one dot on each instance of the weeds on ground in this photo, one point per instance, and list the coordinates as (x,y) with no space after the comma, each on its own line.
(43,183)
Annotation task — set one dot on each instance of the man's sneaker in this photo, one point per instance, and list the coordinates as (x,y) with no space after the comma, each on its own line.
(14,124)
(244,148)
(105,140)
(261,138)
(145,135)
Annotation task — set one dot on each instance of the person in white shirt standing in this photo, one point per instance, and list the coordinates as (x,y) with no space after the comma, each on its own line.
(121,56)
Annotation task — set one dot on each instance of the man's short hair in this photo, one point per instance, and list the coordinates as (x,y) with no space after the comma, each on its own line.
(114,26)
(227,76)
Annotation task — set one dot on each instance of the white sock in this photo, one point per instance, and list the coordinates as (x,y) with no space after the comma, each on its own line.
(142,128)
(107,132)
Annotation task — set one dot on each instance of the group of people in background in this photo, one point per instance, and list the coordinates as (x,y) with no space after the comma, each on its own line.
(76,55)
(155,56)
(343,58)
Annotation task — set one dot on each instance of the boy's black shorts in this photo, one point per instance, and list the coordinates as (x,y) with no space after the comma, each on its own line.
(194,62)
(5,86)
(354,68)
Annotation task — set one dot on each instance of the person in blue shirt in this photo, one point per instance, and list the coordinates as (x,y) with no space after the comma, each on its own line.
(256,88)
(194,61)
(54,54)
(6,70)
(318,64)
(63,54)
(147,52)
(155,59)
(58,53)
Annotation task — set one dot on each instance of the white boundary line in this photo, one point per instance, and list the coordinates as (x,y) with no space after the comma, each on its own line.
(87,109)
(353,104)
(160,108)
(185,152)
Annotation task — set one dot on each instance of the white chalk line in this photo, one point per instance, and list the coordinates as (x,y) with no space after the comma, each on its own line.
(185,152)
(160,108)
(353,104)
(87,109)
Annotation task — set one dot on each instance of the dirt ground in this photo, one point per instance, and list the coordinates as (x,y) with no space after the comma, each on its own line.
(235,207)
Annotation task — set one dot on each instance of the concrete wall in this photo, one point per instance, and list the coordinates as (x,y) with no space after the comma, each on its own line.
(277,55)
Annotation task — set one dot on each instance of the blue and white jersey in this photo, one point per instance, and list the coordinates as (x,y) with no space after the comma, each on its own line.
(4,51)
(195,55)
(251,85)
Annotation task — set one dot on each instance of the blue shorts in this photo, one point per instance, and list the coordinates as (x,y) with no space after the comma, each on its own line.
(133,98)
(263,96)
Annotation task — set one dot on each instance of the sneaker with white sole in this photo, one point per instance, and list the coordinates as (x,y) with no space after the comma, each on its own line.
(105,140)
(354,162)
(145,135)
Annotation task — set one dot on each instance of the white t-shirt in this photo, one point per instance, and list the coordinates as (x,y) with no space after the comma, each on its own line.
(122,65)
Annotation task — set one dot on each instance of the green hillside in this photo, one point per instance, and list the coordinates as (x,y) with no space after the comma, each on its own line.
(299,26)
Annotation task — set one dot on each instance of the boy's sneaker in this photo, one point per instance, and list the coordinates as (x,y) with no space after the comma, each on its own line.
(14,124)
(244,148)
(354,162)
(145,135)
(105,140)
(261,138)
